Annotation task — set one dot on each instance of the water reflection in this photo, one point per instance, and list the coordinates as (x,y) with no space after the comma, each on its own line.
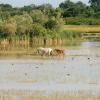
(84,48)
(90,44)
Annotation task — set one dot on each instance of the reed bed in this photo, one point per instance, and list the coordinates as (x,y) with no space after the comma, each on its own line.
(43,95)
(5,44)
(23,46)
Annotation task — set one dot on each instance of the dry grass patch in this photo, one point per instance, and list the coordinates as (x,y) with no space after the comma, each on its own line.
(43,95)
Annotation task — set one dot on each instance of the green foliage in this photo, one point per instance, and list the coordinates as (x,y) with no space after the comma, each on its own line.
(4,15)
(94,1)
(40,21)
(97,15)
(70,34)
(9,27)
(5,7)
(24,23)
(46,21)
(28,8)
(82,21)
(71,9)
(39,30)
(66,4)
(38,16)
(51,24)
(1,30)
(52,33)
(47,9)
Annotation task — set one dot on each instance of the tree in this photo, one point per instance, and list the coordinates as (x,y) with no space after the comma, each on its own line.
(66,4)
(9,27)
(4,15)
(95,4)
(89,12)
(24,24)
(71,9)
(38,16)
(51,24)
(48,10)
(28,8)
(82,10)
(39,30)
(94,1)
(45,8)
(6,7)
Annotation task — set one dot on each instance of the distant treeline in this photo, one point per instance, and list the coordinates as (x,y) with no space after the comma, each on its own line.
(81,14)
(79,9)
(38,21)
(45,20)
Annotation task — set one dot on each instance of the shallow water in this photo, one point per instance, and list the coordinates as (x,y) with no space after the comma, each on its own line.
(81,61)
(79,69)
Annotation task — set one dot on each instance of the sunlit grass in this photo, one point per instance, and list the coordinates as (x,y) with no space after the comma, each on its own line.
(83,28)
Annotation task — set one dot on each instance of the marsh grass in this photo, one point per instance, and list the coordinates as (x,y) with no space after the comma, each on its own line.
(43,95)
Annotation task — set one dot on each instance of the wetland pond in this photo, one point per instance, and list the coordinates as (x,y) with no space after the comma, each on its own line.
(78,70)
